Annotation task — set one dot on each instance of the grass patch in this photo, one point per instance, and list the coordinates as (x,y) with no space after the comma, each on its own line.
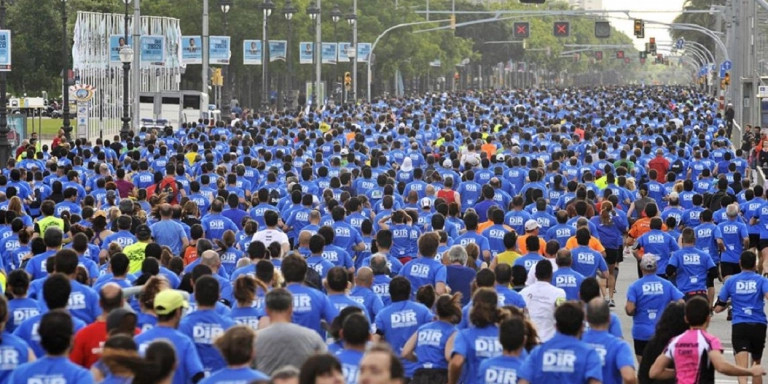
(50,126)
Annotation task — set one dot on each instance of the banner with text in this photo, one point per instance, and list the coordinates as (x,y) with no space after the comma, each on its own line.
(277,50)
(252,52)
(306,52)
(153,50)
(330,53)
(117,42)
(218,50)
(191,50)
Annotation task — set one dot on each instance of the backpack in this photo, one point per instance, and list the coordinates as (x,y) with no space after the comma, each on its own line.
(677,167)
(171,187)
(313,279)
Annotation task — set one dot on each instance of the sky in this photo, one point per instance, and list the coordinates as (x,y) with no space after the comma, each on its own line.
(658,10)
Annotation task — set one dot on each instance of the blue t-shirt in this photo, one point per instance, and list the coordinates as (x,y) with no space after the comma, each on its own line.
(424,271)
(430,344)
(381,288)
(346,236)
(203,327)
(27,331)
(660,244)
(310,306)
(747,291)
(473,237)
(614,354)
(476,345)
(50,370)
(248,316)
(368,299)
(350,364)
(397,322)
(20,310)
(83,303)
(732,232)
(499,370)
(235,376)
(215,224)
(508,296)
(13,352)
(692,265)
(587,261)
(651,294)
(187,359)
(706,239)
(528,261)
(569,280)
(562,359)
(169,233)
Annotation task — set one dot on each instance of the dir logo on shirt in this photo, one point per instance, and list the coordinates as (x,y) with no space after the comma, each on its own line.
(302,303)
(487,346)
(47,379)
(654,288)
(403,319)
(9,358)
(430,337)
(559,360)
(76,301)
(746,287)
(419,270)
(565,281)
(601,351)
(206,333)
(499,375)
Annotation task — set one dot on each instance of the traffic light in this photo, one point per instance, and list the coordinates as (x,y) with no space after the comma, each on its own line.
(522,30)
(599,55)
(639,29)
(652,46)
(453,21)
(602,29)
(619,54)
(727,79)
(562,29)
(643,55)
(532,1)
(347,79)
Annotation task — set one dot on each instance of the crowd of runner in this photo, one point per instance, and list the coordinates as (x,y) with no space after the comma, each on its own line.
(447,238)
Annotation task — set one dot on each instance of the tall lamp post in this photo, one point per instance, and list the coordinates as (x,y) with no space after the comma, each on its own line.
(65,73)
(288,11)
(314,13)
(226,92)
(5,146)
(126,57)
(335,17)
(352,52)
(267,7)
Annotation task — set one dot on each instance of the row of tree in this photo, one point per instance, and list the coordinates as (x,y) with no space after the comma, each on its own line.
(37,39)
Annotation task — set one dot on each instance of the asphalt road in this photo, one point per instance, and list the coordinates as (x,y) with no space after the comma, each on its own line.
(718,325)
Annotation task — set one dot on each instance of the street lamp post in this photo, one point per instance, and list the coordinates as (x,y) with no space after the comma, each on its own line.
(352,20)
(288,11)
(267,7)
(5,145)
(65,73)
(126,57)
(314,13)
(335,17)
(226,92)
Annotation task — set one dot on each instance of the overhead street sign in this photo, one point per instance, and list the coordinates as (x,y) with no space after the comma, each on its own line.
(522,30)
(562,29)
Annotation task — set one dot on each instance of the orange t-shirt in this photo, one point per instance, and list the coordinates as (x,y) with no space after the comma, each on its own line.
(642,226)
(594,244)
(489,149)
(524,249)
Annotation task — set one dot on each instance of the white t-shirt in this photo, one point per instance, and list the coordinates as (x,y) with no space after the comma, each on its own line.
(541,299)
(532,272)
(268,236)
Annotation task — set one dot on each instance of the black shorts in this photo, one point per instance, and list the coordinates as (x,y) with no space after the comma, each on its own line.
(640,346)
(762,244)
(749,337)
(754,240)
(429,376)
(729,269)
(612,256)
(621,254)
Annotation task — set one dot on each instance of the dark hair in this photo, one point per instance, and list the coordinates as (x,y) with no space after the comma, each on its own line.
(569,318)
(236,344)
(66,261)
(56,290)
(160,358)
(55,332)
(294,268)
(318,365)
(399,289)
(589,289)
(449,307)
(206,291)
(18,282)
(484,311)
(697,311)
(355,329)
(119,263)
(748,260)
(670,324)
(512,334)
(278,299)
(426,295)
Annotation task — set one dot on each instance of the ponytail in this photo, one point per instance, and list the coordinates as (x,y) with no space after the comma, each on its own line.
(606,210)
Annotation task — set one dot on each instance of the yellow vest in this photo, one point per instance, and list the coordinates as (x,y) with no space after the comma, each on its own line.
(46,222)
(136,255)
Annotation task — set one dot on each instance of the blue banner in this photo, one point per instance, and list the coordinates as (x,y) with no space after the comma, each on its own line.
(343,58)
(306,52)
(218,50)
(277,50)
(329,53)
(5,50)
(153,50)
(116,42)
(191,50)
(363,52)
(252,52)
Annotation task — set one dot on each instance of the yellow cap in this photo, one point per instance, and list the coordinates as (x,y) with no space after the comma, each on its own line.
(168,301)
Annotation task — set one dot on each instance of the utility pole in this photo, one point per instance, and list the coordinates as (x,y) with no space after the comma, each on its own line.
(204,74)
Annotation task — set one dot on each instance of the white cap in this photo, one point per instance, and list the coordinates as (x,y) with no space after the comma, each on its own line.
(447,163)
(426,202)
(531,225)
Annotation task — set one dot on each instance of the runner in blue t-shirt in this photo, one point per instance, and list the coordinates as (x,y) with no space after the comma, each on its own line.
(309,305)
(692,269)
(236,346)
(426,347)
(471,346)
(504,369)
(615,354)
(426,270)
(564,358)
(355,333)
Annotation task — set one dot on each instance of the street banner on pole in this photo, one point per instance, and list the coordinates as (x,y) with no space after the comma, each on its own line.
(277,50)
(153,50)
(306,52)
(218,50)
(191,50)
(252,52)
(116,42)
(330,53)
